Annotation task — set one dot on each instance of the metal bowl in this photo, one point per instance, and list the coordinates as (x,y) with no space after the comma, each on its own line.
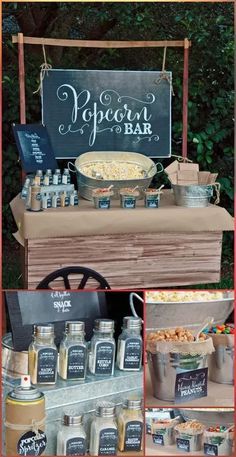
(194,196)
(209,416)
(14,363)
(87,184)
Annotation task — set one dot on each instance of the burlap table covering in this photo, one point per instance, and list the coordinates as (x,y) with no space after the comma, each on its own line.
(178,347)
(85,220)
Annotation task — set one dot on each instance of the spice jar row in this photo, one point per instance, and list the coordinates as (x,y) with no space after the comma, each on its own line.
(106,431)
(192,436)
(76,356)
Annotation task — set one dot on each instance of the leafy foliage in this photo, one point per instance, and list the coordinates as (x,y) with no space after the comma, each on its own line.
(211,99)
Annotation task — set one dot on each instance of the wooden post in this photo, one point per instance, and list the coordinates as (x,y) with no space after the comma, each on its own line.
(21,77)
(185,99)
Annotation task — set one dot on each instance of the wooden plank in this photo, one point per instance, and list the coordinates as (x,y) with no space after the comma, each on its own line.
(131,261)
(21,63)
(100,43)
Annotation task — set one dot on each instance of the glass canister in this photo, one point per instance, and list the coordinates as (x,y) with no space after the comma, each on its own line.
(130,426)
(73,352)
(130,344)
(43,355)
(71,438)
(104,432)
(102,348)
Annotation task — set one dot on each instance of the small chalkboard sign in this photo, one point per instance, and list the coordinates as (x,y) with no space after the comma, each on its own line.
(191,385)
(158,439)
(183,444)
(34,147)
(107,110)
(210,449)
(28,308)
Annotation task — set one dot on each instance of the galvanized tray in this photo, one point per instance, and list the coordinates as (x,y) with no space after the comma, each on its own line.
(209,416)
(87,184)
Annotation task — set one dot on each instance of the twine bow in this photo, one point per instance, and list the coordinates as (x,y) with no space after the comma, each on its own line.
(164,75)
(44,69)
(181,159)
(34,426)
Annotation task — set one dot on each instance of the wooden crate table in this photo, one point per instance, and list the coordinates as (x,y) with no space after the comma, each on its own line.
(137,248)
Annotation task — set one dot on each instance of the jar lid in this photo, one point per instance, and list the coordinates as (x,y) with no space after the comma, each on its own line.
(74,327)
(44,330)
(25,392)
(104,325)
(105,409)
(132,322)
(72,420)
(134,403)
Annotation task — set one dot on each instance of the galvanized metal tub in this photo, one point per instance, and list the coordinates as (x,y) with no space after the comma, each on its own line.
(87,184)
(193,196)
(209,416)
(163,369)
(14,363)
(221,363)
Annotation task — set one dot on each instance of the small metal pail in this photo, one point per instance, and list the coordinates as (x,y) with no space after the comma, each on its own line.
(164,367)
(221,365)
(14,363)
(194,196)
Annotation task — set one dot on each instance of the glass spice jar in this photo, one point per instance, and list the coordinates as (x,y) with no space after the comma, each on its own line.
(130,426)
(130,345)
(73,352)
(102,348)
(43,355)
(103,431)
(71,438)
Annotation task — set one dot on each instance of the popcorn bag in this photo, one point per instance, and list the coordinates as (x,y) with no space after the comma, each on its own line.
(217,441)
(189,436)
(163,431)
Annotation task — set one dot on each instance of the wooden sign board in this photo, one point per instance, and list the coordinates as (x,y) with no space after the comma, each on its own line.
(101,110)
(34,147)
(29,308)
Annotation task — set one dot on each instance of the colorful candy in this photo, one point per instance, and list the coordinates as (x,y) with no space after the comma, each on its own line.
(226,329)
(218,429)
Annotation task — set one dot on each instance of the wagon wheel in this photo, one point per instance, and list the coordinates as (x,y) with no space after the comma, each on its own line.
(64,273)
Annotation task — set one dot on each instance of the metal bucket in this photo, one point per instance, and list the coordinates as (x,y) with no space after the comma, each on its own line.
(195,441)
(87,184)
(195,196)
(14,363)
(221,365)
(164,367)
(224,445)
(209,416)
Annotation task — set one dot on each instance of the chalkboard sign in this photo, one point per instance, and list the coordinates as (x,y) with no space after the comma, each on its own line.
(158,439)
(101,110)
(191,385)
(210,449)
(183,444)
(28,308)
(34,147)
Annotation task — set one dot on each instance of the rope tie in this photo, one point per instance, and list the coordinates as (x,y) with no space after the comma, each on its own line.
(34,426)
(216,185)
(44,70)
(164,75)
(181,159)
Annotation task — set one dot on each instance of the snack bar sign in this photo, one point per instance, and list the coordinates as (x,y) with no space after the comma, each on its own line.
(99,110)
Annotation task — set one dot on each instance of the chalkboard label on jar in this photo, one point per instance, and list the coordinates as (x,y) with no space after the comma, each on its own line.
(133,436)
(152,202)
(190,385)
(104,204)
(158,439)
(76,362)
(31,443)
(183,444)
(210,449)
(133,353)
(129,202)
(76,446)
(108,441)
(47,363)
(104,358)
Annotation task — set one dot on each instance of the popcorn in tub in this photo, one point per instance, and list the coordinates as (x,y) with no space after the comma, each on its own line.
(179,296)
(113,170)
(178,334)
